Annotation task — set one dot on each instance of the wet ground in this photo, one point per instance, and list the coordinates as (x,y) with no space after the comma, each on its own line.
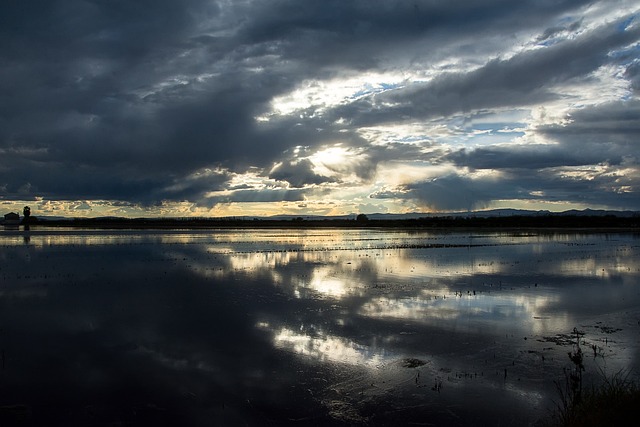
(308,327)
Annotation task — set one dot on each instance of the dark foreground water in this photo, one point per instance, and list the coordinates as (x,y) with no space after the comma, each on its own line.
(315,327)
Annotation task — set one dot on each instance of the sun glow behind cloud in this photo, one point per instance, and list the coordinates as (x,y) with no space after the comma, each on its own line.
(314,97)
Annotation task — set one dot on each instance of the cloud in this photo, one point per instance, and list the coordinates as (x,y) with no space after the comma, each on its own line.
(611,124)
(152,101)
(298,174)
(632,73)
(257,196)
(446,193)
(527,78)
(592,159)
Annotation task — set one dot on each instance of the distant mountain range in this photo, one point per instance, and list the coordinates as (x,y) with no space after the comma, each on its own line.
(474,214)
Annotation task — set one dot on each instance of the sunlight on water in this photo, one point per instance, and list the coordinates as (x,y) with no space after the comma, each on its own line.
(473,308)
(327,348)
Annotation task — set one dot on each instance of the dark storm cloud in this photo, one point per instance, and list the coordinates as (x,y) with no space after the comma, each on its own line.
(89,98)
(525,79)
(127,100)
(447,193)
(193,187)
(525,156)
(552,32)
(611,123)
(360,34)
(462,193)
(598,188)
(600,142)
(605,133)
(298,174)
(633,74)
(257,196)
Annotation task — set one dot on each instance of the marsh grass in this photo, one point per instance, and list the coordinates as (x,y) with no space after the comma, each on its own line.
(615,401)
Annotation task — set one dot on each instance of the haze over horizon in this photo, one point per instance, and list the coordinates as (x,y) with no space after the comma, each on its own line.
(230,108)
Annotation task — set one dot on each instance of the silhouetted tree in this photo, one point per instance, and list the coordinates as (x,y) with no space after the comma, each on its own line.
(362,218)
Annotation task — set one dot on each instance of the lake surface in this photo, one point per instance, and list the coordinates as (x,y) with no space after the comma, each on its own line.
(308,327)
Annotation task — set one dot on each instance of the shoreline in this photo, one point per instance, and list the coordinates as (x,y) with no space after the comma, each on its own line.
(509,224)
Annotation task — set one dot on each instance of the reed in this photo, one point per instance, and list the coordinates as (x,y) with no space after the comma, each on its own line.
(614,401)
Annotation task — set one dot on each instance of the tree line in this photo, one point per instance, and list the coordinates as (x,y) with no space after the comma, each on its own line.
(516,221)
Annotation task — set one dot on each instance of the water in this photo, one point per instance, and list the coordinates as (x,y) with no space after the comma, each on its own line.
(312,327)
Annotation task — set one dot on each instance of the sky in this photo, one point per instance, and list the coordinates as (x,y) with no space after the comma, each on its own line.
(305,107)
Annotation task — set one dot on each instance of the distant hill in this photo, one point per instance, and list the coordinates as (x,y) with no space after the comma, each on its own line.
(473,214)
(522,212)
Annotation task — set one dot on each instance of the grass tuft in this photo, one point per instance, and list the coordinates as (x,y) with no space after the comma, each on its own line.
(614,402)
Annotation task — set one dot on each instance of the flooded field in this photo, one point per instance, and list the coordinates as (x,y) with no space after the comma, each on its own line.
(308,327)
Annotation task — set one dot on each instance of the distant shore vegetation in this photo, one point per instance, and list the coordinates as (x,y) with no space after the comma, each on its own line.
(515,221)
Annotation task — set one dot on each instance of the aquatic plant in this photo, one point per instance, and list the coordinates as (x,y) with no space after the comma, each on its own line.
(613,402)
(570,391)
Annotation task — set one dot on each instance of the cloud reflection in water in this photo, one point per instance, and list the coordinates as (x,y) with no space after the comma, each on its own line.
(230,312)
(322,347)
